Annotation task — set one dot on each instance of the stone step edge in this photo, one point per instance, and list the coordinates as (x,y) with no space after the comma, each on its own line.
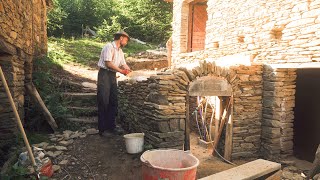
(84,120)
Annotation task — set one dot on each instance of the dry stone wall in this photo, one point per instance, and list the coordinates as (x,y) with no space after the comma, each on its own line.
(270,31)
(22,36)
(157,106)
(278,115)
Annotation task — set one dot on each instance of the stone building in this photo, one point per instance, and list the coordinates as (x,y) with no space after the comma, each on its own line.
(23,36)
(267,52)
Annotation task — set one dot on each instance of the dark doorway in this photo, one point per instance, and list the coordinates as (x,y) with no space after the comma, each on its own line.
(307,114)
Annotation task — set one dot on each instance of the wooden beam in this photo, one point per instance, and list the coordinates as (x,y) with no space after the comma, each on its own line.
(229,134)
(217,116)
(194,1)
(187,125)
(223,120)
(251,170)
(35,96)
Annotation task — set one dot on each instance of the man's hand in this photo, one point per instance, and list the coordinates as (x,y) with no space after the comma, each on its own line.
(124,71)
(125,66)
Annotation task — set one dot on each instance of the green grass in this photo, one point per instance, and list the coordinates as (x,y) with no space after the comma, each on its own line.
(84,51)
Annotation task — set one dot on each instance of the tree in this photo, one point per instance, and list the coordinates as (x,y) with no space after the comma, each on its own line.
(56,16)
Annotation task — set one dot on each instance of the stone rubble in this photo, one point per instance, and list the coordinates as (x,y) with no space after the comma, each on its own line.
(57,151)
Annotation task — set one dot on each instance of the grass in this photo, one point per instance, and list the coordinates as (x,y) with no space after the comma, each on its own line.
(84,51)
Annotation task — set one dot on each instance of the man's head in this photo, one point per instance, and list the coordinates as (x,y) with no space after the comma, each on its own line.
(122,37)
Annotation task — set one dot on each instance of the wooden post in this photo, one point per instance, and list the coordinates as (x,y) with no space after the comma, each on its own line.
(169,51)
(229,134)
(17,117)
(226,113)
(217,116)
(187,125)
(32,91)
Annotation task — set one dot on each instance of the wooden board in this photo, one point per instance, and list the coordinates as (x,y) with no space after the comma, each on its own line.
(251,170)
(229,134)
(197,26)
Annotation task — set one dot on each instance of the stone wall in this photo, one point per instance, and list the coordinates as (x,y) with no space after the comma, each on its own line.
(278,115)
(23,35)
(271,31)
(156,105)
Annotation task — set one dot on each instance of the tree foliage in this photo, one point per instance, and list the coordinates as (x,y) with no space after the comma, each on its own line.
(147,20)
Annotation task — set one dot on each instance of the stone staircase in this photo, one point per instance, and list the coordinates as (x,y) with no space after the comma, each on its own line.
(82,106)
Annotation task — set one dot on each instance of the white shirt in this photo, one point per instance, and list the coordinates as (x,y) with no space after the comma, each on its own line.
(110,52)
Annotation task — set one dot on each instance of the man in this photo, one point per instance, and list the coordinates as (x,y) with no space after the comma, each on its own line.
(111,61)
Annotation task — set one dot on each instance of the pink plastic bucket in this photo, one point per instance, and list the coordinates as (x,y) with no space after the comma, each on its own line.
(168,164)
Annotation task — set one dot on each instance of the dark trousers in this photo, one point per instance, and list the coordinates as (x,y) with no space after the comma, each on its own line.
(107,99)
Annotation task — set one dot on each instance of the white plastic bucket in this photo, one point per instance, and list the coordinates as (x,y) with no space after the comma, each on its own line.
(134,142)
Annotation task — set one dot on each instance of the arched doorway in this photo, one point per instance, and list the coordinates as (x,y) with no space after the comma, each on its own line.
(209,103)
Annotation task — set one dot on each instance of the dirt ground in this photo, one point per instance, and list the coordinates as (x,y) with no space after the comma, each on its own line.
(105,158)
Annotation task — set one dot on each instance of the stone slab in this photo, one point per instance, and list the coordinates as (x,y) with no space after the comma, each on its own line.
(251,170)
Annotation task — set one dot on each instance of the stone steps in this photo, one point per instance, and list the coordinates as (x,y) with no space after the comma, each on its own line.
(82,107)
(83,111)
(85,119)
(80,99)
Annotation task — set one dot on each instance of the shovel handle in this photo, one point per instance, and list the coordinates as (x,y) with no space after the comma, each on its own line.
(17,117)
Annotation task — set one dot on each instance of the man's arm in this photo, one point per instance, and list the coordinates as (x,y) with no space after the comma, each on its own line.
(110,65)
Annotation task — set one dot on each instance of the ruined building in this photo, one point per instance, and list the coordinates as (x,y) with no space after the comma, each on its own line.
(23,36)
(264,54)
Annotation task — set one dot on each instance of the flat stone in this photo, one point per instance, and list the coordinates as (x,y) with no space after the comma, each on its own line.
(61,148)
(53,139)
(42,145)
(57,153)
(66,143)
(56,168)
(63,162)
(92,131)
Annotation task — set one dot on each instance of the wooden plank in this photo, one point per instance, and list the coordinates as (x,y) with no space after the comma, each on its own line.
(229,134)
(223,119)
(217,116)
(251,170)
(190,22)
(35,96)
(187,125)
(199,19)
(275,176)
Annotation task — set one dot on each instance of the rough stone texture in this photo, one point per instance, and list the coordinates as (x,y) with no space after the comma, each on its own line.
(268,32)
(23,36)
(278,103)
(164,124)
(279,31)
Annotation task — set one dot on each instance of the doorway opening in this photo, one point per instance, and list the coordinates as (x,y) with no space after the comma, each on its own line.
(307,114)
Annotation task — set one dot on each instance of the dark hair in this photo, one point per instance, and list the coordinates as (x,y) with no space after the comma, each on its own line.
(117,37)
